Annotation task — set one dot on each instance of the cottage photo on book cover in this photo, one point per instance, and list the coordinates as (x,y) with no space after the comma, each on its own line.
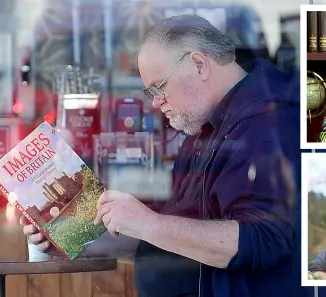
(54,188)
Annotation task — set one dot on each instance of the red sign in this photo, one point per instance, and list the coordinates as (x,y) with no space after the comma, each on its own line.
(83,124)
(4,140)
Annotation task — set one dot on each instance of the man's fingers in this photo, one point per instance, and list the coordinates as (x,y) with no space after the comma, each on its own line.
(29,229)
(23,221)
(104,198)
(36,238)
(106,219)
(111,230)
(104,209)
(109,226)
(101,200)
(43,246)
(108,196)
(98,218)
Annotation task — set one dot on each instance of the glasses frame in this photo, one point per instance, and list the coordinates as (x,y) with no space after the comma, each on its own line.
(157,89)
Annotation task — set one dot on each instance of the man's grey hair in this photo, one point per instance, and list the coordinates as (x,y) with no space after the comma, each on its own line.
(192,33)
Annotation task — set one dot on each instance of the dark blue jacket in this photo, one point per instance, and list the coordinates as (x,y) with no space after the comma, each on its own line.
(255,179)
(245,166)
(318,264)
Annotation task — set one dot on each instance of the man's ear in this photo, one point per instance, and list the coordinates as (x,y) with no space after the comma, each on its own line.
(201,64)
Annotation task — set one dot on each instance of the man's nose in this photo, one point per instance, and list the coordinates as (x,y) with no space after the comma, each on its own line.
(156,102)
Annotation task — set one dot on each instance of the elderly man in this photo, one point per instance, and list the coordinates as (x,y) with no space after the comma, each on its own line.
(233,221)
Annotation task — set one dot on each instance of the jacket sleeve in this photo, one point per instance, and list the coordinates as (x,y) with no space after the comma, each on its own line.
(318,264)
(258,187)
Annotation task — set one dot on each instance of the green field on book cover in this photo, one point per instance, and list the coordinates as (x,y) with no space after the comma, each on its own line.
(53,187)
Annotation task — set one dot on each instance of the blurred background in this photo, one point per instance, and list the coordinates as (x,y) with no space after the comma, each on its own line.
(73,63)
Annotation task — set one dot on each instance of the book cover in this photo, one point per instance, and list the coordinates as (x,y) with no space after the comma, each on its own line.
(321,16)
(312,31)
(53,188)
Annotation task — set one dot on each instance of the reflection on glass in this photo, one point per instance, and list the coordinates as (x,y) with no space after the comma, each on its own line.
(101,37)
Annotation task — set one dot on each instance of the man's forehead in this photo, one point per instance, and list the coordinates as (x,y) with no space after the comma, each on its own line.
(153,62)
(152,57)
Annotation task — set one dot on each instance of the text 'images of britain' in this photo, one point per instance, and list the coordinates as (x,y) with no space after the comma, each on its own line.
(53,188)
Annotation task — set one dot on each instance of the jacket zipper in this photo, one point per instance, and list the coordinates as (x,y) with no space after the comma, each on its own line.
(203,210)
(203,197)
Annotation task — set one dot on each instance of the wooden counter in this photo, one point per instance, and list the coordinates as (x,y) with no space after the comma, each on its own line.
(87,277)
(46,267)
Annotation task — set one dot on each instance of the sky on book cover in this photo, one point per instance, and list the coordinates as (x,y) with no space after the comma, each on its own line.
(316,175)
(29,193)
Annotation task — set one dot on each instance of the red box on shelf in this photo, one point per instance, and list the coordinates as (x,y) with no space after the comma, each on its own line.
(80,116)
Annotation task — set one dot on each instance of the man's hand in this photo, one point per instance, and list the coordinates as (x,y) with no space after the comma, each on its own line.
(321,274)
(34,236)
(123,213)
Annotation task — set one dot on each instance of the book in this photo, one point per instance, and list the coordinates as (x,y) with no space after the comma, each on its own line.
(321,16)
(312,31)
(54,189)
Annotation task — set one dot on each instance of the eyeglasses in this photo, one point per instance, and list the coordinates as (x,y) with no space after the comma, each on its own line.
(156,92)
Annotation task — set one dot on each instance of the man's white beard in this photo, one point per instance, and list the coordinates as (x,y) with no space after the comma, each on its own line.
(190,124)
(195,115)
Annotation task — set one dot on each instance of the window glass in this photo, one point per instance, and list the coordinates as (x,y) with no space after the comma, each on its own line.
(69,62)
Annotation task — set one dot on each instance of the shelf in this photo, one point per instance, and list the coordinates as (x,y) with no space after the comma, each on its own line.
(316,56)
